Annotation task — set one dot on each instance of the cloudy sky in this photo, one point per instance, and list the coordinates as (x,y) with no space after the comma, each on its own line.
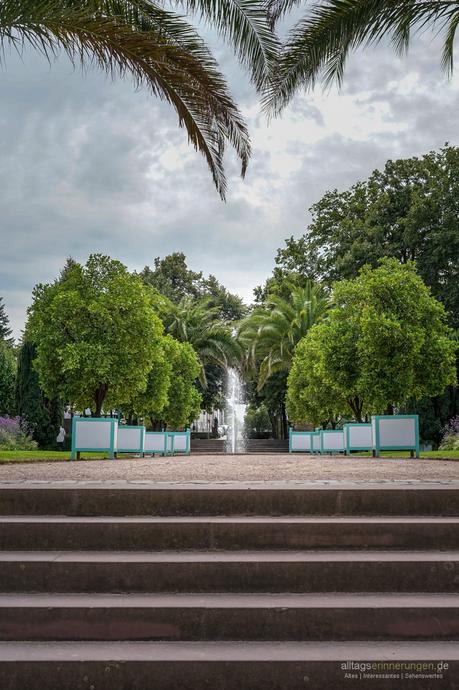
(90,165)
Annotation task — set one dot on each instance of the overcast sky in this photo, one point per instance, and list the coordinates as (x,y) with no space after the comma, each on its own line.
(90,165)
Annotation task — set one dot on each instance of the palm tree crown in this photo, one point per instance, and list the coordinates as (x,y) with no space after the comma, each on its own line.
(160,50)
(319,44)
(197,323)
(271,333)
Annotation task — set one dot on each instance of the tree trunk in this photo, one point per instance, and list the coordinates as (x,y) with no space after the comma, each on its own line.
(99,397)
(284,422)
(356,406)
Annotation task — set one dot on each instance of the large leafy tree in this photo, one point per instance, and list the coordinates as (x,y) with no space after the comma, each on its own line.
(161,51)
(42,414)
(95,333)
(409,211)
(173,279)
(321,41)
(386,340)
(184,400)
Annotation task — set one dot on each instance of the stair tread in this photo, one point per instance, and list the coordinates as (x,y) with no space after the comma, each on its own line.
(264,556)
(230,601)
(217,520)
(227,651)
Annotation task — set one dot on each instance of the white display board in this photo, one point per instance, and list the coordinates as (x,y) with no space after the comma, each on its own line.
(316,442)
(91,434)
(178,442)
(358,437)
(131,439)
(332,441)
(300,441)
(395,432)
(155,441)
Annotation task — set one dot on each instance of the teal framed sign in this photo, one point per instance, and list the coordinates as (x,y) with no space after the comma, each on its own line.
(332,441)
(94,434)
(178,442)
(395,432)
(358,436)
(300,441)
(131,439)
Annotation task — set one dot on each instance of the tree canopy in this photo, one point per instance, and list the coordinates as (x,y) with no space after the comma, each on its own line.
(385,340)
(409,211)
(95,333)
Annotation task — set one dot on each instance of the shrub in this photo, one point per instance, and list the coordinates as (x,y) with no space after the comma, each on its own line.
(14,434)
(450,435)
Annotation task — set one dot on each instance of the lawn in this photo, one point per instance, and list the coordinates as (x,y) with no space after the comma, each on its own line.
(43,456)
(56,455)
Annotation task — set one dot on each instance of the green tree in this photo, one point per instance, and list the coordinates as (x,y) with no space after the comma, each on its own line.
(7,378)
(408,211)
(43,415)
(271,333)
(159,50)
(184,400)
(172,277)
(386,340)
(95,333)
(319,43)
(197,323)
(5,330)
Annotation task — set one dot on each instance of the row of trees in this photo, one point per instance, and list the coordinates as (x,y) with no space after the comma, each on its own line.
(343,327)
(407,211)
(152,345)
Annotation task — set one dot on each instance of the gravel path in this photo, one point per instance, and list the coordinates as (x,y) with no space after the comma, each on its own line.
(236,468)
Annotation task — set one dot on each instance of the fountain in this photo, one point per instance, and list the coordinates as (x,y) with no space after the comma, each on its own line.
(235,412)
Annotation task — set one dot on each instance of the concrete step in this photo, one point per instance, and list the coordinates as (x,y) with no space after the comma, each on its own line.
(227,665)
(253,498)
(219,617)
(224,533)
(231,571)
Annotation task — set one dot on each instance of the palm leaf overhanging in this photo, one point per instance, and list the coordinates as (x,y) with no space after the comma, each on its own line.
(271,333)
(159,50)
(319,44)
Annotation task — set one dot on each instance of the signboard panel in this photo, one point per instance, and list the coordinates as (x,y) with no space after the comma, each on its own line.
(300,441)
(131,439)
(395,432)
(93,434)
(155,442)
(358,437)
(332,441)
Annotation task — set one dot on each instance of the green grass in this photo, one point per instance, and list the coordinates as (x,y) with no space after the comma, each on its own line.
(58,455)
(44,456)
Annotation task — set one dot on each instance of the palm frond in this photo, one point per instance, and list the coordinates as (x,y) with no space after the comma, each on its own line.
(319,44)
(244,24)
(158,49)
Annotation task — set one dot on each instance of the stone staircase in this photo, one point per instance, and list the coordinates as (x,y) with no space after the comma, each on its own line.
(132,586)
(217,446)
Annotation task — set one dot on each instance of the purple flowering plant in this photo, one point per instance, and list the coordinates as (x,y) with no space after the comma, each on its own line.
(450,435)
(15,434)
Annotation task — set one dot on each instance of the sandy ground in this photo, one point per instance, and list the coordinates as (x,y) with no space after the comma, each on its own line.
(210,468)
